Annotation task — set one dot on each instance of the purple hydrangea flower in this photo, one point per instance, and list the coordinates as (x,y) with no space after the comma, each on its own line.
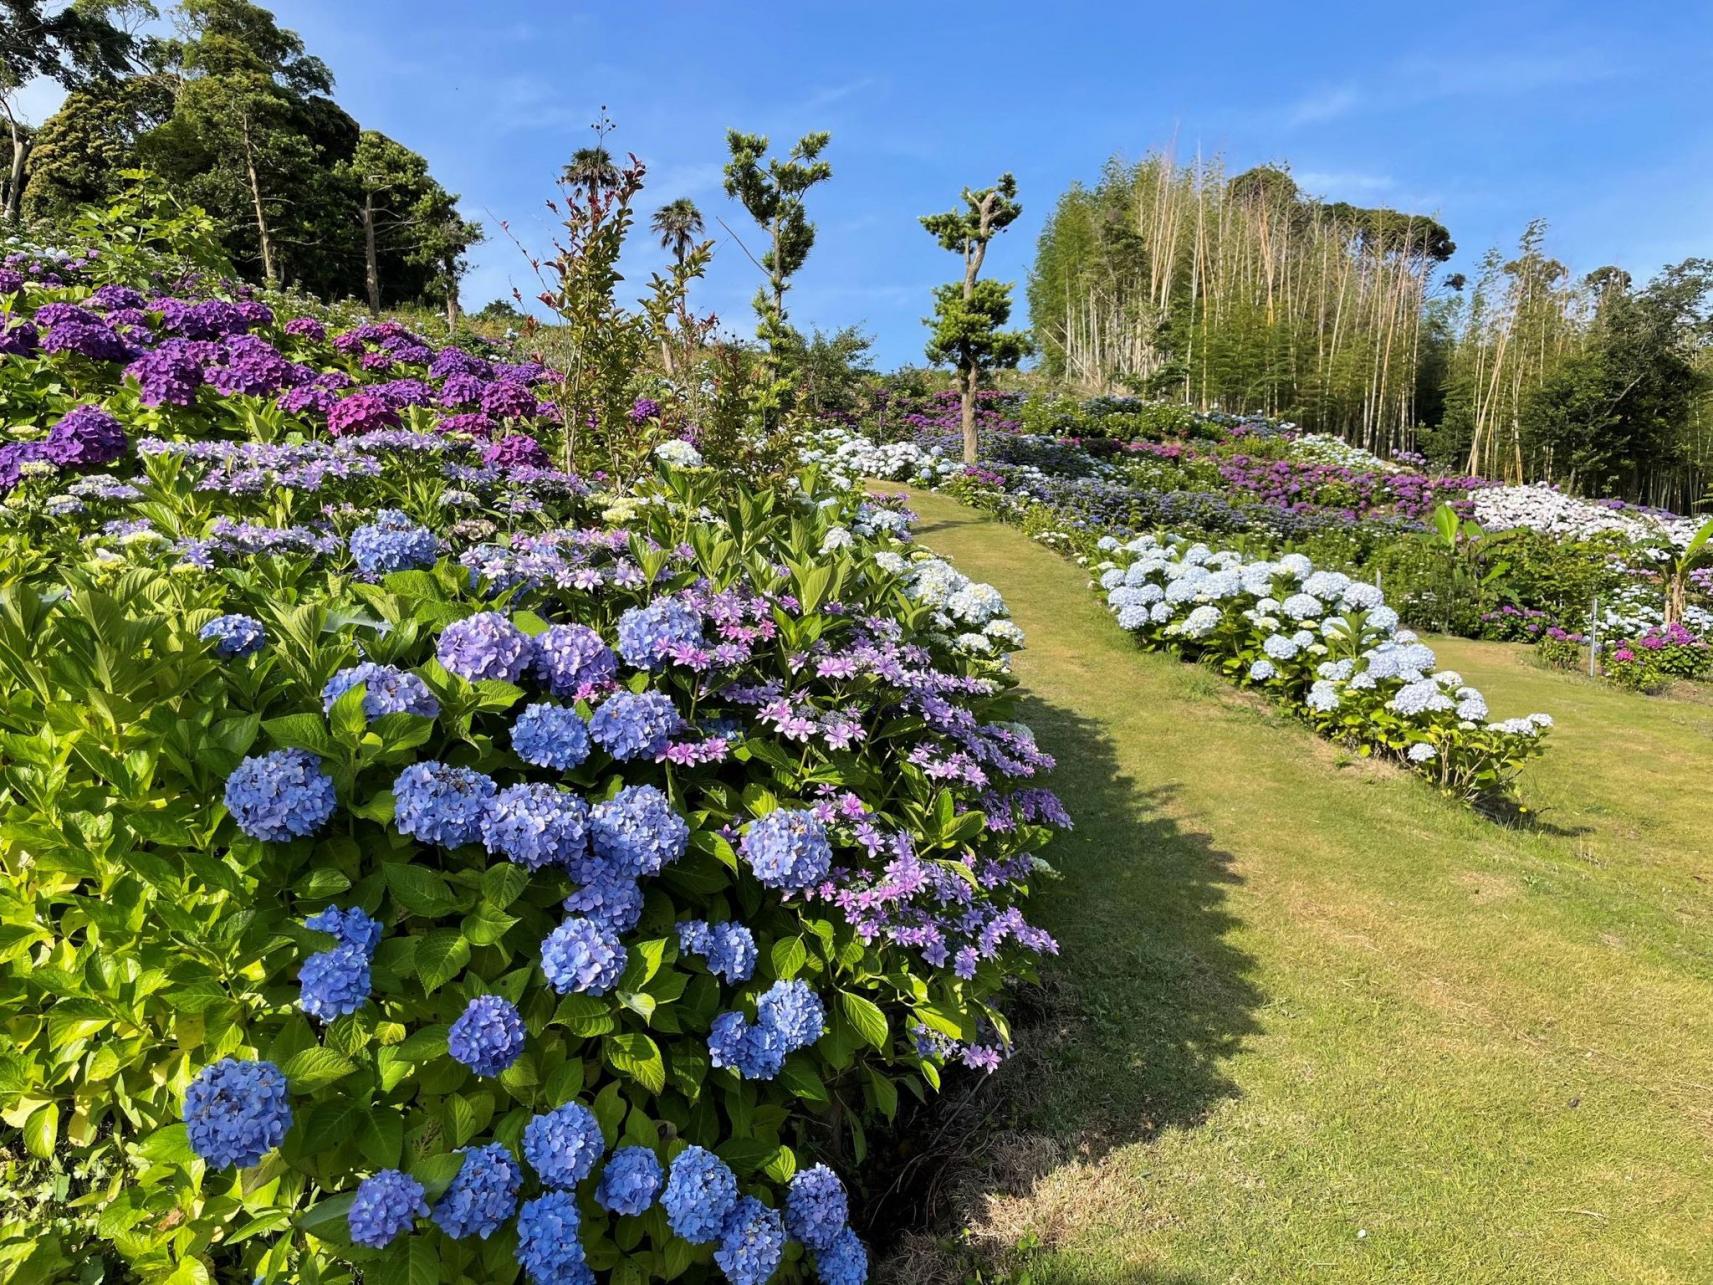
(563,1145)
(306,328)
(236,1112)
(85,436)
(788,849)
(574,662)
(505,400)
(630,1182)
(536,825)
(440,804)
(483,1195)
(516,450)
(636,832)
(485,645)
(360,413)
(488,1036)
(386,1206)
(551,736)
(234,636)
(700,1192)
(280,796)
(632,725)
(386,690)
(167,376)
(580,955)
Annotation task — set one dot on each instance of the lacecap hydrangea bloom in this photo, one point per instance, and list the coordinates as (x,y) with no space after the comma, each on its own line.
(485,645)
(788,849)
(392,542)
(236,1112)
(700,1191)
(535,825)
(440,804)
(334,982)
(574,662)
(386,690)
(280,796)
(752,1242)
(816,1207)
(648,634)
(488,1036)
(632,725)
(583,956)
(549,1248)
(386,1206)
(563,1145)
(482,1195)
(636,832)
(630,1182)
(552,736)
(234,636)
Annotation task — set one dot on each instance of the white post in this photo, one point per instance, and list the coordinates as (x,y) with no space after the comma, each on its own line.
(1594,638)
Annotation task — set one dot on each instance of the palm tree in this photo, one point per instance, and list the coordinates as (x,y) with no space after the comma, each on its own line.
(679,223)
(593,168)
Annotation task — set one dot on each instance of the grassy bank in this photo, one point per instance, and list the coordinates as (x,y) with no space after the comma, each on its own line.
(1313,1022)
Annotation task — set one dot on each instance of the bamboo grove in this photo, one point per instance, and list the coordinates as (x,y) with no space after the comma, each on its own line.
(1244,294)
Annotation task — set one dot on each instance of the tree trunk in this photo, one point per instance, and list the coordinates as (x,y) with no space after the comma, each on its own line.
(371,268)
(15,181)
(262,235)
(451,294)
(966,386)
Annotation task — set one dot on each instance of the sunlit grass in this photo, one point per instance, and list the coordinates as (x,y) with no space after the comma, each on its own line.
(1313,1022)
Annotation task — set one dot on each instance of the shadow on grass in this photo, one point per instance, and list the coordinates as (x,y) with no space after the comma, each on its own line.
(1128,1034)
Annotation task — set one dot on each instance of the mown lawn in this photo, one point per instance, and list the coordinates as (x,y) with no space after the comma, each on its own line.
(1313,1022)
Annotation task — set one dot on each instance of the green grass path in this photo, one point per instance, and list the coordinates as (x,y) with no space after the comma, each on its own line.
(1313,1022)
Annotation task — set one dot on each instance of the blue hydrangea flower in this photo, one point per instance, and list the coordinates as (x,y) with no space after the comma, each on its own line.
(352,927)
(816,1207)
(488,1036)
(729,947)
(1261,671)
(548,1245)
(483,1195)
(485,645)
(755,1051)
(752,1242)
(236,1112)
(280,796)
(572,661)
(1422,752)
(392,542)
(563,1145)
(788,849)
(844,1262)
(632,725)
(630,1181)
(551,736)
(1280,647)
(793,1010)
(648,634)
(636,832)
(440,804)
(386,1206)
(700,1192)
(386,690)
(582,955)
(536,825)
(334,982)
(233,636)
(615,904)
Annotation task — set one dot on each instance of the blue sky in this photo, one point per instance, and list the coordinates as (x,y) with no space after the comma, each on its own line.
(1593,116)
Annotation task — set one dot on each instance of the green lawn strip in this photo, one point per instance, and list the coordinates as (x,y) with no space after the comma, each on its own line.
(1302,997)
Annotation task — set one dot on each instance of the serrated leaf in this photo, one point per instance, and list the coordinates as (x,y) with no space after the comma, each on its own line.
(865,1016)
(637,1056)
(315,1067)
(440,956)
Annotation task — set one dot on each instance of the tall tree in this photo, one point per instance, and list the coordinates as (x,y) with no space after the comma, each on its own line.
(592,169)
(82,149)
(409,222)
(75,44)
(772,190)
(969,314)
(678,224)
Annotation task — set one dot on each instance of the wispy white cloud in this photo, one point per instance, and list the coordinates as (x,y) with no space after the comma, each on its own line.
(826,97)
(1340,182)
(1323,105)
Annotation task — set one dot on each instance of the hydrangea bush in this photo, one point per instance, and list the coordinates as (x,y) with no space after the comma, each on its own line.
(1326,646)
(419,865)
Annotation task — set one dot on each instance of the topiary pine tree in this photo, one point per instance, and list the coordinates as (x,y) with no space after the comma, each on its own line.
(968,315)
